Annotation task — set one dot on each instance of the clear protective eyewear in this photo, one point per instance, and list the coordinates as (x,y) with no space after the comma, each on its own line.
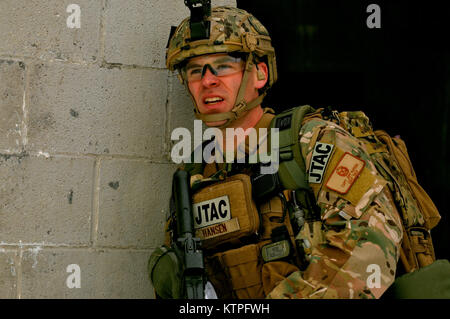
(220,66)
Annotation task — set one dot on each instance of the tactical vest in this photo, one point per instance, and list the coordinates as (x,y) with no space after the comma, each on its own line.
(247,250)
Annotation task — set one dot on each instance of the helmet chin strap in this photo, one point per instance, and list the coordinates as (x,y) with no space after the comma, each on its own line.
(240,106)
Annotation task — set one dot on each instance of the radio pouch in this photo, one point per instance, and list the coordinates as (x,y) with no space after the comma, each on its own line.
(237,273)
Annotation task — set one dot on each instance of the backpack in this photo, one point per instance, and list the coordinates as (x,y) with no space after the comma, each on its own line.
(390,156)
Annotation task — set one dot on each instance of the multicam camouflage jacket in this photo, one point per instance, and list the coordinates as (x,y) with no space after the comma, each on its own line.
(356,244)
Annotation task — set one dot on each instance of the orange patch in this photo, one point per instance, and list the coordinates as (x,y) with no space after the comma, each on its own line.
(345,173)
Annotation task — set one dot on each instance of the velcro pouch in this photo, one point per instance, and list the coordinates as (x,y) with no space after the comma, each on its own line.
(272,217)
(238,273)
(274,272)
(224,212)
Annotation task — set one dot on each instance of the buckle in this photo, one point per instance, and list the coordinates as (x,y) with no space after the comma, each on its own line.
(417,231)
(420,240)
(329,114)
(238,109)
(335,115)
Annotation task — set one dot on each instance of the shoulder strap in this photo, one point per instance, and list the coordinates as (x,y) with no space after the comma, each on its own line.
(194,168)
(292,170)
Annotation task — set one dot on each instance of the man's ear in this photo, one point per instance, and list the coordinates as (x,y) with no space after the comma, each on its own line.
(261,75)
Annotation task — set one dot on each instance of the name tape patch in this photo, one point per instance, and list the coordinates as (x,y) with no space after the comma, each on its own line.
(210,212)
(215,230)
(319,161)
(345,173)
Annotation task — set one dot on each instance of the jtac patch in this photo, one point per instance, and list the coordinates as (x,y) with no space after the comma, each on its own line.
(319,161)
(210,212)
(345,174)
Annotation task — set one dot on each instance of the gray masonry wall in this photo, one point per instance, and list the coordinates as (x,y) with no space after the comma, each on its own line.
(86,116)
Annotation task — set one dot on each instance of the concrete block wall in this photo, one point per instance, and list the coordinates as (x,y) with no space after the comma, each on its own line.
(85,120)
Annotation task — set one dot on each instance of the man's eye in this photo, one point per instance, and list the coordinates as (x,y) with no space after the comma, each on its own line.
(224,66)
(195,71)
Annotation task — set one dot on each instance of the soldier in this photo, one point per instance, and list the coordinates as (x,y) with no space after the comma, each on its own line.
(339,237)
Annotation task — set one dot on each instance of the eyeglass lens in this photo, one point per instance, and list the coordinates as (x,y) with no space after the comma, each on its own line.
(221,66)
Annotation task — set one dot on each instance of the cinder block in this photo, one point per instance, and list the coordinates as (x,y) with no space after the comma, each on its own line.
(45,200)
(134,201)
(12,87)
(9,260)
(137,31)
(96,110)
(39,29)
(103,274)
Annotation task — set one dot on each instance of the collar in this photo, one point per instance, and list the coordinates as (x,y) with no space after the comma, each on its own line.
(261,135)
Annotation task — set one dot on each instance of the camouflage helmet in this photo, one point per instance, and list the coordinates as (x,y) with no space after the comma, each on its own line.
(231,30)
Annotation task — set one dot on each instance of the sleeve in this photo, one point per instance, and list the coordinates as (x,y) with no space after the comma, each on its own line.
(354,247)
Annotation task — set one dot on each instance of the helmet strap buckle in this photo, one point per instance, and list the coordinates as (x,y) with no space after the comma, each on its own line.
(239,108)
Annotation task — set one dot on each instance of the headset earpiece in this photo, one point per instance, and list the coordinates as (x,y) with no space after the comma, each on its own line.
(260,74)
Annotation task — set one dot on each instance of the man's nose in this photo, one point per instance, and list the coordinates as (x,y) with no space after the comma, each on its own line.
(209,79)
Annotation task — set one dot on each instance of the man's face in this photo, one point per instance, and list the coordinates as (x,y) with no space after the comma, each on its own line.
(216,93)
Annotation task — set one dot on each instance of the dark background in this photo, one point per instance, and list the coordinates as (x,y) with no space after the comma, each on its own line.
(399,75)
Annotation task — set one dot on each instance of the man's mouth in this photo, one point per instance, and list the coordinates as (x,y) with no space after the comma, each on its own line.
(212,100)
